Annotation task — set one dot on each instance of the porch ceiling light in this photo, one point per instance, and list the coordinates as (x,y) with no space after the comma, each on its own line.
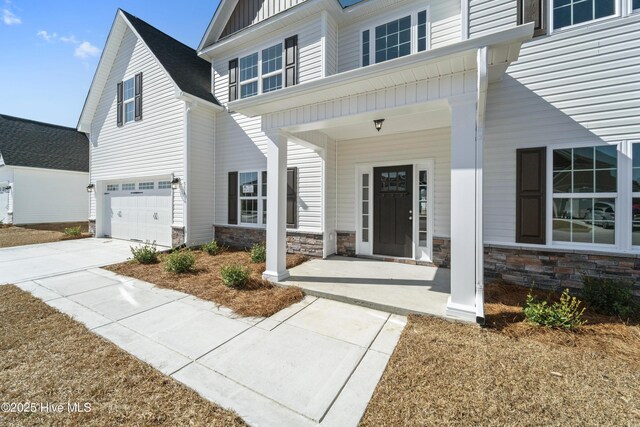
(175,182)
(378,124)
(90,188)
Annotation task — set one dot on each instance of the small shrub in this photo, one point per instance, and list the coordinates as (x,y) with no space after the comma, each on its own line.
(235,275)
(258,253)
(565,314)
(73,231)
(608,296)
(145,254)
(212,248)
(180,262)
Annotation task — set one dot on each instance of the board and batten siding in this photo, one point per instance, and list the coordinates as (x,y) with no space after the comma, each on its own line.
(489,16)
(432,144)
(250,12)
(49,195)
(444,18)
(151,147)
(200,183)
(578,86)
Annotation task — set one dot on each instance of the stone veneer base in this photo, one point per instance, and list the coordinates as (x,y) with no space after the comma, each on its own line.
(309,244)
(177,236)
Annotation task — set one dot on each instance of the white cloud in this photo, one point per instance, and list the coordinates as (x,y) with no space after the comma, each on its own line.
(69,39)
(46,36)
(9,18)
(86,50)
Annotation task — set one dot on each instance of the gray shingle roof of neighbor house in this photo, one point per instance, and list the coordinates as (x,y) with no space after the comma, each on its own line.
(34,144)
(191,73)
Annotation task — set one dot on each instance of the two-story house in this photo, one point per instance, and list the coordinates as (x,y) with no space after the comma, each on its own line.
(493,137)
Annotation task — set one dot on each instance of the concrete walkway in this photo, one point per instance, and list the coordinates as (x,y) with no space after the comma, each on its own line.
(314,363)
(30,262)
(390,286)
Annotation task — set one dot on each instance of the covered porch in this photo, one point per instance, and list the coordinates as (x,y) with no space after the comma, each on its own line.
(391,188)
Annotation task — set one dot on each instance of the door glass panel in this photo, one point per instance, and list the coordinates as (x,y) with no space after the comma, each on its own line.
(422,211)
(635,214)
(365,208)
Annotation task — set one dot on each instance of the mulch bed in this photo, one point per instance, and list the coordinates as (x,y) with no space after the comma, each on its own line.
(511,372)
(46,357)
(260,299)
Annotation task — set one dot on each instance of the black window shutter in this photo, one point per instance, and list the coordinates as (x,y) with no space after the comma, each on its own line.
(292,197)
(291,61)
(531,195)
(233,79)
(119,104)
(533,11)
(138,99)
(233,198)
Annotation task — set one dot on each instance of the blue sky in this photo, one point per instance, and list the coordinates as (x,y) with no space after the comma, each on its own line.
(49,49)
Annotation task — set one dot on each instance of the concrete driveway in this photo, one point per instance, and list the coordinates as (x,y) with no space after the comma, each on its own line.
(314,363)
(21,263)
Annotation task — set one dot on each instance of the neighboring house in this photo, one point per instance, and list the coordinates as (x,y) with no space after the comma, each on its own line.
(44,172)
(499,138)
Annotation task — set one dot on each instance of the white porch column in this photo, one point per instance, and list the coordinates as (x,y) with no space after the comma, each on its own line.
(276,208)
(465,210)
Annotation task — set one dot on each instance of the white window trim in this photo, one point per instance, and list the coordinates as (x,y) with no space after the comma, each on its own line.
(251,80)
(418,253)
(371,26)
(272,73)
(259,197)
(128,101)
(623,197)
(618,13)
(261,76)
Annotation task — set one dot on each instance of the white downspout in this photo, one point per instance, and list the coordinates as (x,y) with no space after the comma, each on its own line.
(185,182)
(483,84)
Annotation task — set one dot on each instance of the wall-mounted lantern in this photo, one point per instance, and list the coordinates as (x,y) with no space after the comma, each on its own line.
(378,124)
(175,183)
(90,188)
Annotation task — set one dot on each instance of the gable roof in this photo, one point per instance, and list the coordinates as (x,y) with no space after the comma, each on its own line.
(189,73)
(42,145)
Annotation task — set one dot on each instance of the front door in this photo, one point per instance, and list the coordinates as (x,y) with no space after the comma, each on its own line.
(393,215)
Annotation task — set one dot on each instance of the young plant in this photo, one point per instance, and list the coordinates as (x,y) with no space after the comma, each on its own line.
(608,296)
(235,275)
(212,248)
(145,254)
(258,253)
(563,314)
(73,231)
(180,262)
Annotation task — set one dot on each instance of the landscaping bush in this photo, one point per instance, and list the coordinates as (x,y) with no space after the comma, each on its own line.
(145,254)
(180,262)
(258,253)
(212,248)
(73,231)
(608,296)
(235,275)
(565,313)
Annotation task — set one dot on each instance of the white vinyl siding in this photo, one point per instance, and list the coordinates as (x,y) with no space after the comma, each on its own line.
(488,16)
(152,147)
(331,47)
(431,144)
(444,24)
(48,195)
(577,87)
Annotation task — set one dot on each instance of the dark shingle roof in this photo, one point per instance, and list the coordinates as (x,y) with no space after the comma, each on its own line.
(41,145)
(191,73)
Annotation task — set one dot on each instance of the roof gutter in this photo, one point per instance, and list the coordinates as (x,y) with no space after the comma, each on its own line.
(196,101)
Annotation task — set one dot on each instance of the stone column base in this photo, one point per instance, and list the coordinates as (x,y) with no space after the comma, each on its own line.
(177,236)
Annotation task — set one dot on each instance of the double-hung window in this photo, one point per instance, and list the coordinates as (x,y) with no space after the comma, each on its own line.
(128,99)
(250,198)
(272,68)
(585,194)
(572,12)
(635,5)
(249,75)
(635,201)
(394,39)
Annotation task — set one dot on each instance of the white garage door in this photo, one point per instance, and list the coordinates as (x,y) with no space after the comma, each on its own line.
(139,210)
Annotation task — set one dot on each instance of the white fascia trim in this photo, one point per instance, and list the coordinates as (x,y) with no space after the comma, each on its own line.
(197,102)
(221,6)
(513,35)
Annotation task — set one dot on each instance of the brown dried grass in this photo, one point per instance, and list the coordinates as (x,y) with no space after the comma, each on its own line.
(511,373)
(19,236)
(259,299)
(45,356)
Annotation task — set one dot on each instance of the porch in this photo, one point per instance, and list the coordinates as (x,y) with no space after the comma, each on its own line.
(390,286)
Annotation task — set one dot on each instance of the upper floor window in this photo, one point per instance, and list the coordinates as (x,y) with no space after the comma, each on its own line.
(636,4)
(572,12)
(272,68)
(249,75)
(395,39)
(129,100)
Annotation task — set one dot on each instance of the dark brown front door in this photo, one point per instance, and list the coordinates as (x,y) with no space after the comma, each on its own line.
(392,204)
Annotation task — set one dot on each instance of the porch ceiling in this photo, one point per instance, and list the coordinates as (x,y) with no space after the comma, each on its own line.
(447,61)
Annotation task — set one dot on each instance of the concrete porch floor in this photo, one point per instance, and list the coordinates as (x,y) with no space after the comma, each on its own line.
(389,286)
